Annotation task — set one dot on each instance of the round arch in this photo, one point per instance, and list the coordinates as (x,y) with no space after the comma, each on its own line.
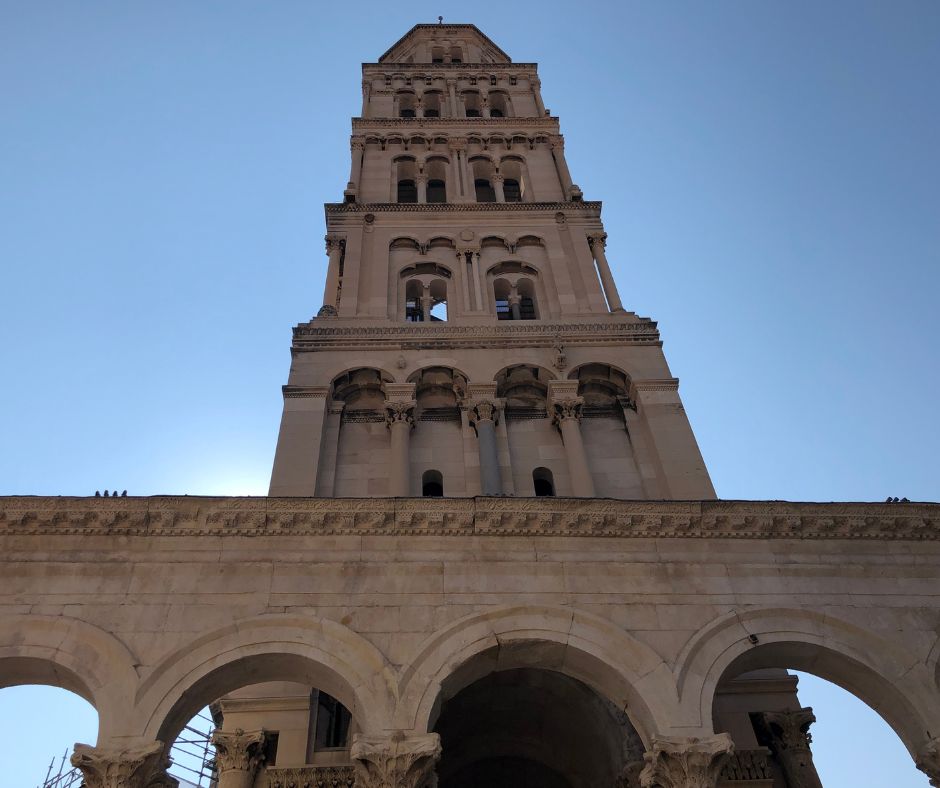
(71,654)
(319,652)
(878,671)
(618,667)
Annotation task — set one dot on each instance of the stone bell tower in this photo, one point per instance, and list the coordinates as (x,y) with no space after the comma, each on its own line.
(472,339)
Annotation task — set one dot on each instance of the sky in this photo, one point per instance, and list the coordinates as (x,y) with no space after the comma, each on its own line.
(771,186)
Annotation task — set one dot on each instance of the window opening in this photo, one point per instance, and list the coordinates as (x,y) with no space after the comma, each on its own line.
(484,190)
(511,190)
(431,113)
(527,308)
(407,191)
(333,720)
(502,309)
(432,484)
(436,191)
(543,482)
(407,113)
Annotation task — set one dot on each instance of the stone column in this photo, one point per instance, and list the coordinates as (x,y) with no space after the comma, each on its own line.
(685,762)
(357,146)
(422,182)
(566,414)
(537,92)
(238,754)
(598,243)
(498,188)
(789,739)
(334,248)
(484,105)
(928,761)
(515,303)
(399,417)
(484,414)
(426,303)
(396,761)
(564,176)
(128,767)
(455,190)
(452,96)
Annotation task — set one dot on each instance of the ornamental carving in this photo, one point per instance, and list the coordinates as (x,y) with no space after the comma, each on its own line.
(685,762)
(787,733)
(334,243)
(928,761)
(312,777)
(598,239)
(748,765)
(400,412)
(238,750)
(397,761)
(566,409)
(132,767)
(484,410)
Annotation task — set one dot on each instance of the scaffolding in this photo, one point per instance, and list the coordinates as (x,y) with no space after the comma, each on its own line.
(192,759)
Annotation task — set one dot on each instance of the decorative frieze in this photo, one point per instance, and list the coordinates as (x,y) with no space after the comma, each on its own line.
(584,206)
(748,765)
(311,777)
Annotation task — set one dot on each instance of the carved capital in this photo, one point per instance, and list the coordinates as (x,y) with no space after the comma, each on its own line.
(928,761)
(396,761)
(131,767)
(557,141)
(238,750)
(629,777)
(497,178)
(789,730)
(398,412)
(357,143)
(457,144)
(334,243)
(598,239)
(484,410)
(685,762)
(567,408)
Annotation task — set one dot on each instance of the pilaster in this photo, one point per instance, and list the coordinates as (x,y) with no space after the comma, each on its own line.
(297,459)
(396,761)
(685,762)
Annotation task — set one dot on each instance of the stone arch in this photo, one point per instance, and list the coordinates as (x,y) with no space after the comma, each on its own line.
(878,671)
(320,652)
(360,385)
(74,655)
(582,646)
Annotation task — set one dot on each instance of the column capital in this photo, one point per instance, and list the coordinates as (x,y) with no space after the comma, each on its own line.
(128,767)
(484,410)
(238,750)
(457,143)
(790,729)
(357,142)
(400,411)
(685,762)
(567,409)
(396,761)
(556,141)
(334,242)
(421,177)
(928,761)
(597,238)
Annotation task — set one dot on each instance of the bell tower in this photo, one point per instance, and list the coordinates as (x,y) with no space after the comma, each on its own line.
(472,340)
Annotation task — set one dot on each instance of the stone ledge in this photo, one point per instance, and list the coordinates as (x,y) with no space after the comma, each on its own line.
(458,207)
(480,516)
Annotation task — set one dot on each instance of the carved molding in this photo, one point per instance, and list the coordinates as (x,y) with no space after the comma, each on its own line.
(312,777)
(313,392)
(685,762)
(238,750)
(484,410)
(748,765)
(398,412)
(219,516)
(585,206)
(928,761)
(396,761)
(566,409)
(542,122)
(132,767)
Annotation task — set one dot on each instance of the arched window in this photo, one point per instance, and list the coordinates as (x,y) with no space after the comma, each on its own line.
(436,191)
(484,190)
(435,168)
(544,482)
(407,190)
(425,293)
(437,55)
(406,104)
(456,55)
(512,190)
(432,484)
(514,291)
(499,105)
(472,105)
(432,104)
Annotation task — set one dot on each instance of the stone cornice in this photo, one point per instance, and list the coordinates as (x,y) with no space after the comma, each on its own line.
(423,68)
(458,207)
(548,122)
(321,333)
(481,516)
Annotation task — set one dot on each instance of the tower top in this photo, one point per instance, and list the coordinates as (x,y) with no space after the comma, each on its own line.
(419,43)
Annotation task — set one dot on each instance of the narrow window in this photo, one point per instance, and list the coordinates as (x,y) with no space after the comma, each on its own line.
(269,747)
(484,190)
(333,720)
(511,190)
(432,484)
(544,482)
(502,309)
(407,191)
(407,113)
(527,308)
(436,191)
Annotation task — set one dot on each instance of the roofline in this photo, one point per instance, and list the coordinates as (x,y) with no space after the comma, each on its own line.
(444,27)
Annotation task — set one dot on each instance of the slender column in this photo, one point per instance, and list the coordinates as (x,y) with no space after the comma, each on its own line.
(566,413)
(598,243)
(564,176)
(334,248)
(357,147)
(465,285)
(396,761)
(399,417)
(422,181)
(928,761)
(455,193)
(128,767)
(426,303)
(475,258)
(483,416)
(484,105)
(452,97)
(498,188)
(537,92)
(238,754)
(419,107)
(685,762)
(788,733)
(515,307)
(366,94)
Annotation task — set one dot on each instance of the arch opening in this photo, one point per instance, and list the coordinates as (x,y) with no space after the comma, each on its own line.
(432,484)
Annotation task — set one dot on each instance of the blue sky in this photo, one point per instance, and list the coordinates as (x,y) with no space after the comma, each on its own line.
(771,189)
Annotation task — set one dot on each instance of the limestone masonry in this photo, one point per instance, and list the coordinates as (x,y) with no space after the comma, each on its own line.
(492,553)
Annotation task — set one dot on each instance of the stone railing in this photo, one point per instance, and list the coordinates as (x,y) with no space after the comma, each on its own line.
(481,516)
(748,765)
(311,777)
